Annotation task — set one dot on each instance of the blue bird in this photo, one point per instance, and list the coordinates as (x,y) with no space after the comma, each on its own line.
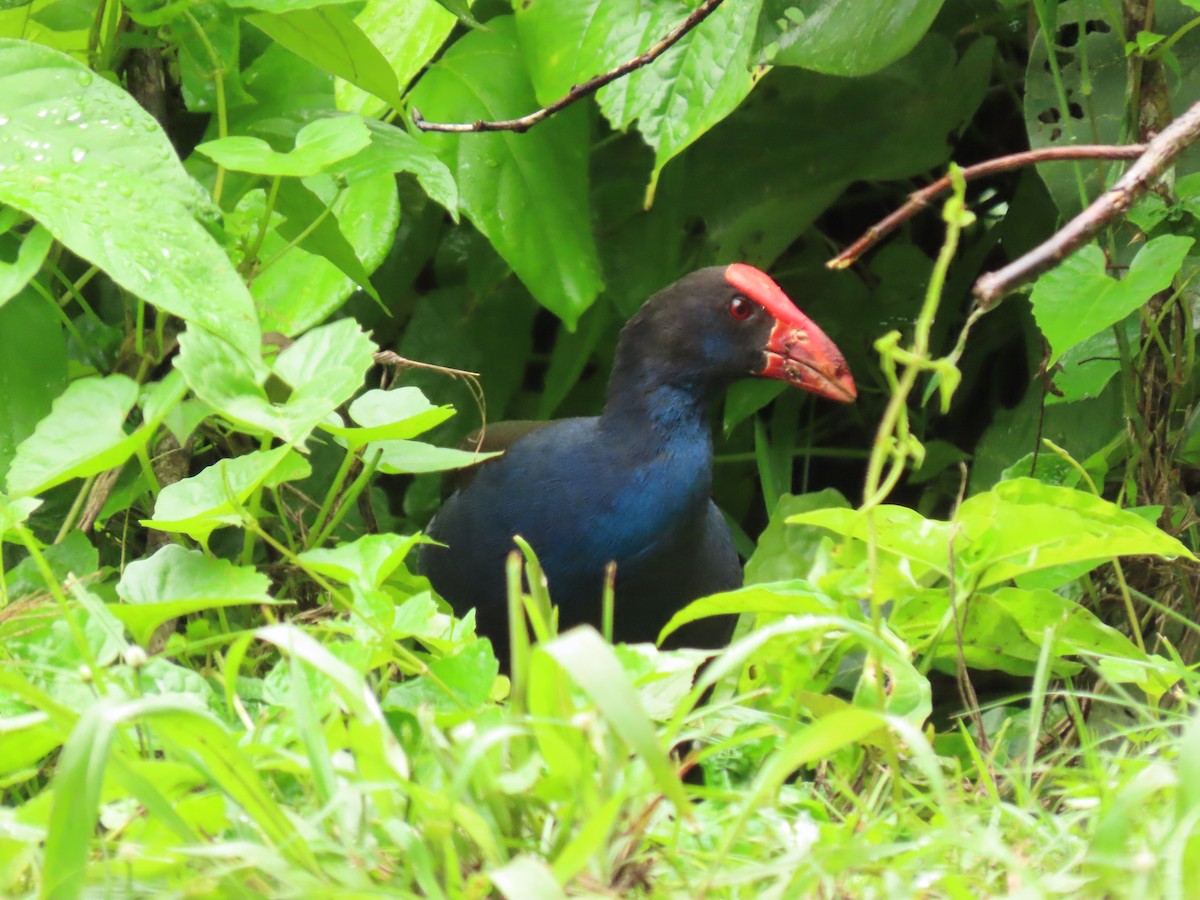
(632,485)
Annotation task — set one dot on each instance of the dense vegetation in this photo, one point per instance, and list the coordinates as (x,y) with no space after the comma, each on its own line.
(966,660)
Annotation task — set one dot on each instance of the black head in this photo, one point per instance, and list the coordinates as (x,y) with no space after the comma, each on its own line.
(728,322)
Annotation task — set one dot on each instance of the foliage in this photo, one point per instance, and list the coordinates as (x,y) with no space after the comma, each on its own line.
(220,675)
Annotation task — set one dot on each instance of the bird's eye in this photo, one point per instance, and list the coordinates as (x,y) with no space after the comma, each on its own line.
(740,307)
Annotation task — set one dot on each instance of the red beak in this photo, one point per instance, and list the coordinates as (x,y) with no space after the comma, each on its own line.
(797,351)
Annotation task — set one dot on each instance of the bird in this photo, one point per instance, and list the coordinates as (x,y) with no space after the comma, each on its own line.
(632,485)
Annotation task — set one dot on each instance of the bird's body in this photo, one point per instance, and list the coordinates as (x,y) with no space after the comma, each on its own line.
(631,486)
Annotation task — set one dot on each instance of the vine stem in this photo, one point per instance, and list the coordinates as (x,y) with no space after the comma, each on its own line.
(893,440)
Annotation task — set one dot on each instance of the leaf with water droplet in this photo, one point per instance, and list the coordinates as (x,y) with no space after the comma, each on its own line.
(138,197)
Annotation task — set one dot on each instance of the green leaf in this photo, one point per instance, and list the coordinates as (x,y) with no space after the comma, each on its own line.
(27,255)
(779,599)
(582,654)
(754,212)
(411,457)
(187,732)
(526,878)
(527,193)
(83,158)
(787,550)
(323,369)
(397,414)
(210,43)
(1088,367)
(455,687)
(15,510)
(301,288)
(843,37)
(392,150)
(408,34)
(370,560)
(198,505)
(83,435)
(319,145)
(330,39)
(306,220)
(899,531)
(176,582)
(33,368)
(675,99)
(1024,525)
(1090,76)
(1077,298)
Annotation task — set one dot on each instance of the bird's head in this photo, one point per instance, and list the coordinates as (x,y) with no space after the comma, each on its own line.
(727,322)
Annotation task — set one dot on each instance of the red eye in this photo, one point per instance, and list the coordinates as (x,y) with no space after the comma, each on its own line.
(740,307)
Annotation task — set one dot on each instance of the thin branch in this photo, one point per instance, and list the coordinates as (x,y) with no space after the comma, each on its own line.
(918,200)
(1116,201)
(578,91)
(391,358)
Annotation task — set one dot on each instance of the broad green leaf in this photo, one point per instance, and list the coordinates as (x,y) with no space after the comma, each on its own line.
(1084,370)
(300,288)
(1025,525)
(307,221)
(319,145)
(755,212)
(408,34)
(369,560)
(176,582)
(527,193)
(411,457)
(26,254)
(454,688)
(330,39)
(786,550)
(15,510)
(209,39)
(33,368)
(198,505)
(392,150)
(1076,299)
(900,531)
(397,414)
(675,99)
(83,435)
(843,37)
(83,158)
(323,369)
(780,599)
(1076,629)
(1090,76)
(73,555)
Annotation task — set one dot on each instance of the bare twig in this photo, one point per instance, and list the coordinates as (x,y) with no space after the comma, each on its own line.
(918,200)
(391,358)
(1160,153)
(578,91)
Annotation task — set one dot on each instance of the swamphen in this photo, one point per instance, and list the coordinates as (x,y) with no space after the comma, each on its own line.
(632,485)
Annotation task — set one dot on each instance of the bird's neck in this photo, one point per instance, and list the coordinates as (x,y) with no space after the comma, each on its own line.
(658,412)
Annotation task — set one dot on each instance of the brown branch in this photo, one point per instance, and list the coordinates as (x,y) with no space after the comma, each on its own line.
(918,200)
(1138,178)
(577,91)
